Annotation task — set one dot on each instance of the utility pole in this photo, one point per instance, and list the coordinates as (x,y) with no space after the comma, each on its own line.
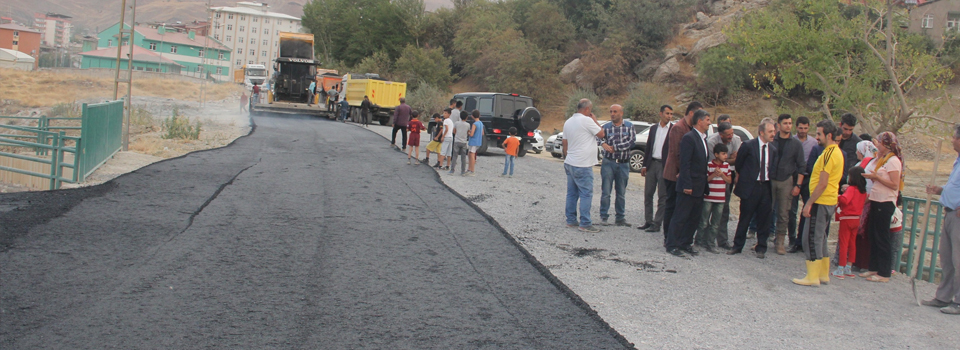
(129,100)
(116,80)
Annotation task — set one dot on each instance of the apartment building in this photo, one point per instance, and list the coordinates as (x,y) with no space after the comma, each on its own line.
(936,19)
(19,38)
(55,29)
(195,55)
(252,31)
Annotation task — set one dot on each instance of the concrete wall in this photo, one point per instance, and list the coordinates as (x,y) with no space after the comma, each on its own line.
(111,73)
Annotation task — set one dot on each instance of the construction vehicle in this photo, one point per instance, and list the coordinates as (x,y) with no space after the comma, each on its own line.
(384,95)
(295,69)
(250,74)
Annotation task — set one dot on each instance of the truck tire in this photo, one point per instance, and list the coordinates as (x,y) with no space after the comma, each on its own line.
(384,121)
(521,151)
(483,148)
(530,118)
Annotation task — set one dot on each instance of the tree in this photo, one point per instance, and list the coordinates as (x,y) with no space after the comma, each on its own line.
(378,63)
(643,25)
(417,65)
(512,64)
(350,30)
(413,15)
(545,26)
(606,68)
(720,70)
(847,53)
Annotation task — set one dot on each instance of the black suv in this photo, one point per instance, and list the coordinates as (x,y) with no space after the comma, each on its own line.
(499,112)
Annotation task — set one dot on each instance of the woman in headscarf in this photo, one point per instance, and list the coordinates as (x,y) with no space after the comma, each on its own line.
(887,184)
(865,152)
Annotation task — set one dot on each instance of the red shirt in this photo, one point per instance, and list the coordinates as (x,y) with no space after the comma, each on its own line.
(416,126)
(718,187)
(850,204)
(256,89)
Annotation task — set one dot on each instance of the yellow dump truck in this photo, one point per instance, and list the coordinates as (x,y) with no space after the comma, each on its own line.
(384,95)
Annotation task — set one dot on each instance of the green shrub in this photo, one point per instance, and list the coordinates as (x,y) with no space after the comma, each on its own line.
(428,99)
(179,127)
(574,98)
(719,71)
(643,102)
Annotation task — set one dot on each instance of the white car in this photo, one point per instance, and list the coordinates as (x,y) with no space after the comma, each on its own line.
(538,145)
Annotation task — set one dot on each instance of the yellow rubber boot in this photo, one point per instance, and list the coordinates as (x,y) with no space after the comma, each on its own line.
(824,270)
(813,271)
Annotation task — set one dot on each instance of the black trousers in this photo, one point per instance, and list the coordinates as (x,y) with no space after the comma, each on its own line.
(685,220)
(881,239)
(671,187)
(403,132)
(760,204)
(792,232)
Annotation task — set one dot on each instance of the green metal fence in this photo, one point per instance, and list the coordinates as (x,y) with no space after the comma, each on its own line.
(102,134)
(913,212)
(100,138)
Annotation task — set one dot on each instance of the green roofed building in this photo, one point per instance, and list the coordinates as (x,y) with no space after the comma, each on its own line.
(193,55)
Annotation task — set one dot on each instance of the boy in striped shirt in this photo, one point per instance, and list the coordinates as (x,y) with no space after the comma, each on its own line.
(718,176)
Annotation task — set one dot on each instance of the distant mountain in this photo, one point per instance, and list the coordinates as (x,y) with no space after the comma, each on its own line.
(98,14)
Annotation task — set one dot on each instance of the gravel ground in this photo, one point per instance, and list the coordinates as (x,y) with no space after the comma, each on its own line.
(306,234)
(658,301)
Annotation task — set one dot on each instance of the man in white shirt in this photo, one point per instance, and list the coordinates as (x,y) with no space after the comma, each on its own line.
(653,171)
(455,107)
(580,151)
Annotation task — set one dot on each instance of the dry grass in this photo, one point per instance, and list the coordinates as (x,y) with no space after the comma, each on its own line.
(45,89)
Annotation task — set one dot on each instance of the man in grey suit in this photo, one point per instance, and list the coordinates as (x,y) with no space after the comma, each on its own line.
(653,171)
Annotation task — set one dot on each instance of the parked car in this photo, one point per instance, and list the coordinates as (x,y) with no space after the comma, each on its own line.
(636,157)
(537,146)
(555,142)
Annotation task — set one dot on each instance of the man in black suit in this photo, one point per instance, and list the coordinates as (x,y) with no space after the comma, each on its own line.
(653,171)
(756,166)
(691,186)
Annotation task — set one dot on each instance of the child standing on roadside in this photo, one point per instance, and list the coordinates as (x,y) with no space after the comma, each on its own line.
(718,177)
(434,145)
(460,146)
(415,127)
(849,206)
(510,146)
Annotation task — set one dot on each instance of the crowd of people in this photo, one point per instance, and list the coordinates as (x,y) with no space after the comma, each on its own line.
(831,175)
(457,135)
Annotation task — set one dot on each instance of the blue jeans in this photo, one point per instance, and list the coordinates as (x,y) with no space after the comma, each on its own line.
(508,162)
(614,174)
(579,187)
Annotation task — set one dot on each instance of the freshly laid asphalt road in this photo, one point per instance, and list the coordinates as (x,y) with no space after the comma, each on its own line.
(306,234)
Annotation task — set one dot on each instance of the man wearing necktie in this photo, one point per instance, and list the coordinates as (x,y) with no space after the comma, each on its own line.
(691,186)
(756,165)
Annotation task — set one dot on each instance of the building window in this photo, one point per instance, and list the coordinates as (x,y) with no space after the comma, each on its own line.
(200,53)
(199,68)
(229,27)
(243,18)
(241,28)
(255,18)
(265,43)
(153,46)
(263,53)
(219,70)
(16,42)
(266,31)
(216,36)
(927,22)
(229,38)
(217,24)
(239,62)
(251,62)
(253,29)
(953,22)
(266,21)
(173,49)
(239,50)
(253,52)
(218,16)
(16,33)
(240,39)
(109,42)
(220,56)
(229,16)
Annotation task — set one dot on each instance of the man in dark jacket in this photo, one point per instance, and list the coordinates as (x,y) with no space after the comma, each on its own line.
(401,117)
(756,165)
(691,186)
(788,180)
(653,171)
(365,111)
(848,144)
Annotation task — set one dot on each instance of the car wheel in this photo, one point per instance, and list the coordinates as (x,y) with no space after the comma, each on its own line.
(556,155)
(537,151)
(636,161)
